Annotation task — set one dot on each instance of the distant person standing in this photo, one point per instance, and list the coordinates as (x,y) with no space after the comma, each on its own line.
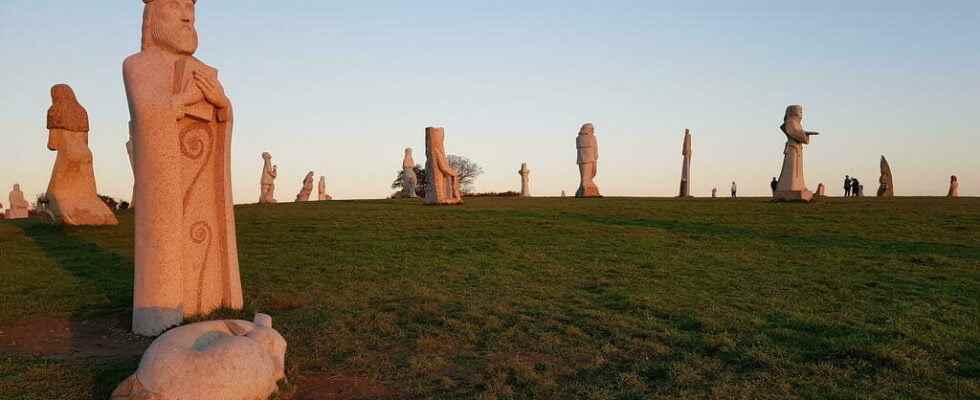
(847,185)
(734,190)
(774,184)
(855,187)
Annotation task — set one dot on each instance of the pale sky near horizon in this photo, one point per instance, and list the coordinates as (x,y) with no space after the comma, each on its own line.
(341,88)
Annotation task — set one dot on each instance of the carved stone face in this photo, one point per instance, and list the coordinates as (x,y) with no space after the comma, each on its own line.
(17,187)
(266,156)
(587,129)
(794,111)
(171,25)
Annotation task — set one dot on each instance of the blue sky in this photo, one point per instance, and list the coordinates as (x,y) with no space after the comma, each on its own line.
(341,88)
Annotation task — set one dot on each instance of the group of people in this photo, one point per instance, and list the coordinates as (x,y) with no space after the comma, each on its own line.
(852,187)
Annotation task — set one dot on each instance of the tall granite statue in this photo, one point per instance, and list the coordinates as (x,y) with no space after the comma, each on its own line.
(19,207)
(72,195)
(267,184)
(525,180)
(954,187)
(186,254)
(687,152)
(886,186)
(791,183)
(307,189)
(322,190)
(442,181)
(410,181)
(588,159)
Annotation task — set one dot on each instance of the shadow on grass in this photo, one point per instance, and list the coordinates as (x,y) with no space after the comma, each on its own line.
(100,340)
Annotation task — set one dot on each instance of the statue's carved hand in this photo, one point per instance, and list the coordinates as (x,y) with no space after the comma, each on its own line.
(213,92)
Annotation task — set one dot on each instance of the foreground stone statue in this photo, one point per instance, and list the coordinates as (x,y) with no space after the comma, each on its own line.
(72,196)
(322,190)
(687,152)
(525,180)
(19,207)
(132,164)
(410,181)
(227,360)
(442,181)
(267,184)
(954,187)
(886,186)
(307,189)
(821,191)
(186,250)
(588,159)
(792,186)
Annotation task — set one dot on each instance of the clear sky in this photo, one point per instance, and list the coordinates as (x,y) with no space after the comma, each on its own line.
(341,87)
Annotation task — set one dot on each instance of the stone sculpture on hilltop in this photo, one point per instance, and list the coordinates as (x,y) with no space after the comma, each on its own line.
(322,190)
(19,207)
(525,180)
(821,191)
(954,187)
(410,181)
(72,196)
(227,360)
(307,189)
(886,186)
(442,181)
(186,254)
(688,152)
(588,159)
(792,186)
(267,184)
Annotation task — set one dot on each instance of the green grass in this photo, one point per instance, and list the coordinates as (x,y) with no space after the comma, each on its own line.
(556,299)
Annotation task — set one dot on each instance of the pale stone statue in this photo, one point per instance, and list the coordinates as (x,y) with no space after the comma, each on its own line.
(442,181)
(887,184)
(267,184)
(307,189)
(227,360)
(525,180)
(72,196)
(821,190)
(19,207)
(322,190)
(563,195)
(791,183)
(687,152)
(410,181)
(954,187)
(588,159)
(186,254)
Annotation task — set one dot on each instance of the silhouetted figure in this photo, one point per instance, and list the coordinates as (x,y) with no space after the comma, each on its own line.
(847,185)
(855,188)
(734,190)
(774,184)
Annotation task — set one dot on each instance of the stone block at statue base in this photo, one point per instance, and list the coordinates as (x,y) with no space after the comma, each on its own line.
(16,214)
(228,360)
(802,197)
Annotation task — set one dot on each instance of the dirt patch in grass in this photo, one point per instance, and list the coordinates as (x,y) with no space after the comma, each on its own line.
(62,338)
(340,387)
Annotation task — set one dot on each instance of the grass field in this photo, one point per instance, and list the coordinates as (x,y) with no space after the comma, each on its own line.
(544,299)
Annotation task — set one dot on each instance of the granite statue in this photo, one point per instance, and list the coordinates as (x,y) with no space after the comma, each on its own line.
(228,360)
(186,251)
(688,152)
(410,181)
(442,180)
(791,185)
(322,190)
(886,186)
(954,187)
(525,180)
(72,196)
(307,189)
(588,159)
(267,184)
(19,207)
